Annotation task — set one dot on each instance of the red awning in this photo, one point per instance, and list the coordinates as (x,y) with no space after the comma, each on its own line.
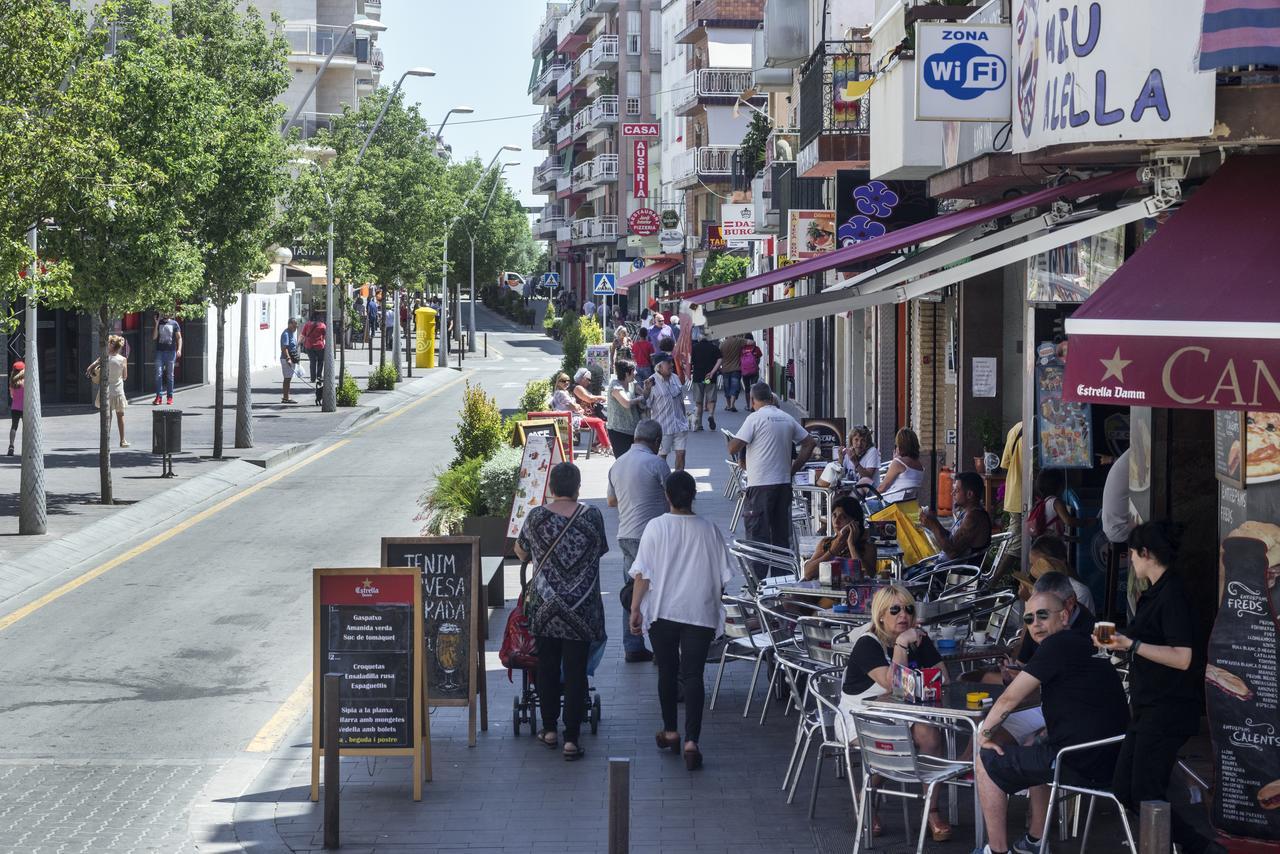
(939,226)
(647,272)
(1192,319)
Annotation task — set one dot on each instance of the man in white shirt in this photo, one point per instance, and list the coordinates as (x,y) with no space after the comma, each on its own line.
(665,394)
(769,436)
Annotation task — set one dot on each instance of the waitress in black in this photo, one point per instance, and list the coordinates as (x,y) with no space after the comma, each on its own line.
(1164,678)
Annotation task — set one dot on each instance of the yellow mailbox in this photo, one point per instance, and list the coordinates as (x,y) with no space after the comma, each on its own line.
(425,320)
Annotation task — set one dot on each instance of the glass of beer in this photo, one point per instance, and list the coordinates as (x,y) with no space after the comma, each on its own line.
(1103,632)
(448,647)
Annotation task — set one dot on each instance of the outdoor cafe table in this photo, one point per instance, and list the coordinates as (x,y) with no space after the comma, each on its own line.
(952,707)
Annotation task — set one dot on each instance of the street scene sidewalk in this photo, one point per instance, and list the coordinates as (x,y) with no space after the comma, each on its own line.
(509,794)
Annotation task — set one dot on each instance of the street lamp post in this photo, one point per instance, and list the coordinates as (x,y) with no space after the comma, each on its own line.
(462,111)
(444,268)
(471,298)
(412,72)
(328,391)
(363,24)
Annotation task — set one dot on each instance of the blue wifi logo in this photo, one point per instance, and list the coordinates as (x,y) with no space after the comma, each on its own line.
(965,71)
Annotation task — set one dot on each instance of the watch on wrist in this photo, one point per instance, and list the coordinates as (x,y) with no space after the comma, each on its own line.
(988,734)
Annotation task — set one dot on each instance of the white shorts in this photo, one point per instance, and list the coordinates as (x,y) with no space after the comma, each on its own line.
(1022,725)
(673,442)
(287,368)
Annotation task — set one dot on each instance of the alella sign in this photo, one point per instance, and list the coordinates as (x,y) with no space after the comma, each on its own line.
(1108,71)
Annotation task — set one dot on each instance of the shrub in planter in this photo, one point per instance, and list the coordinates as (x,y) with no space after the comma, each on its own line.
(454,497)
(574,344)
(497,478)
(536,396)
(550,320)
(348,391)
(592,333)
(383,378)
(480,430)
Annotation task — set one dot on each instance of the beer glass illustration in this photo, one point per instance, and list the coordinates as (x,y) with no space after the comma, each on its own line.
(448,654)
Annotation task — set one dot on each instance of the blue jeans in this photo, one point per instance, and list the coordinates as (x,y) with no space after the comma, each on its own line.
(630,642)
(164,370)
(732,385)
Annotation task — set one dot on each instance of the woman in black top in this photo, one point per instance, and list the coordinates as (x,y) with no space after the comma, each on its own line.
(1163,683)
(895,639)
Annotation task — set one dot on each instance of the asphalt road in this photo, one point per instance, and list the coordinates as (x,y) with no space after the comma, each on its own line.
(124,696)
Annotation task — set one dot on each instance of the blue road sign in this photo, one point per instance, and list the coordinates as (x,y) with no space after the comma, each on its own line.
(551,280)
(605,285)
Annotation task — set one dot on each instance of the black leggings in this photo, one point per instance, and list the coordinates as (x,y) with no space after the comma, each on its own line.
(574,654)
(680,651)
(315,359)
(620,442)
(1143,768)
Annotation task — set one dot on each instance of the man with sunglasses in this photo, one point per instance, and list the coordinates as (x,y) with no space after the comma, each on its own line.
(1082,699)
(1079,618)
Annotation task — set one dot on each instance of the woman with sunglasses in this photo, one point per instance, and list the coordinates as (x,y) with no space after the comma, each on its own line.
(562,401)
(895,638)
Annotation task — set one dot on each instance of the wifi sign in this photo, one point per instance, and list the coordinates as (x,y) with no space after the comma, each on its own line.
(964,73)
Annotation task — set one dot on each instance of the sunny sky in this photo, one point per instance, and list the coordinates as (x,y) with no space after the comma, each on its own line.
(481,55)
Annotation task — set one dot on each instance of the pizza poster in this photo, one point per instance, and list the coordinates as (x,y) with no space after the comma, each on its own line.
(540,454)
(1241,685)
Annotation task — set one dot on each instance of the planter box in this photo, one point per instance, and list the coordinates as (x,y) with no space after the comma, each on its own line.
(492,531)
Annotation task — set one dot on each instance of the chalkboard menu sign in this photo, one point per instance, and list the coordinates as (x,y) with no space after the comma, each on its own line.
(829,433)
(1228,447)
(366,632)
(1242,687)
(449,568)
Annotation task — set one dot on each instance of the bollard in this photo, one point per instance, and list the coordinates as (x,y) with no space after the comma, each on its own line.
(1153,828)
(486,345)
(332,762)
(619,805)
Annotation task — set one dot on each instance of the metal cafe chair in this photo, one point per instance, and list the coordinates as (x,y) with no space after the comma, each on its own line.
(994,558)
(1058,789)
(791,660)
(889,752)
(764,564)
(839,737)
(747,642)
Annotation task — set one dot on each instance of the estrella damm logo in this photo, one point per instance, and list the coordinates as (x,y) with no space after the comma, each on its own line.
(964,70)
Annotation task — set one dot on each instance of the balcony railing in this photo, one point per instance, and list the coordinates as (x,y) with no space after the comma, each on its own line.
(564,134)
(312,123)
(566,79)
(714,83)
(543,129)
(599,229)
(546,173)
(549,77)
(604,51)
(602,168)
(564,183)
(825,108)
(373,8)
(550,22)
(714,162)
(549,225)
(376,59)
(319,40)
(604,110)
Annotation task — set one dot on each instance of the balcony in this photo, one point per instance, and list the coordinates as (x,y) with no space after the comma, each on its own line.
(715,85)
(375,58)
(544,89)
(545,36)
(602,169)
(312,123)
(373,9)
(318,41)
(564,185)
(601,111)
(835,129)
(708,163)
(544,177)
(604,51)
(564,135)
(564,234)
(599,229)
(543,131)
(548,226)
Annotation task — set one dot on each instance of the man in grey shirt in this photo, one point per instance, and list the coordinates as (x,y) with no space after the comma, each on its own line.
(636,482)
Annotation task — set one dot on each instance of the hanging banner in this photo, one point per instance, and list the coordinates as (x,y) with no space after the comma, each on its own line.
(641,161)
(810,233)
(1100,72)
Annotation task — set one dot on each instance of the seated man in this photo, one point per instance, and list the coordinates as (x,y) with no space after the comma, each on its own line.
(1082,699)
(1079,617)
(970,526)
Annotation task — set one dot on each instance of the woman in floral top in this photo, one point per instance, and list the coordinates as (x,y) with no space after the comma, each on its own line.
(565,540)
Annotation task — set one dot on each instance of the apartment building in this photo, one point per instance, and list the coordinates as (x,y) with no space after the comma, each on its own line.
(597,74)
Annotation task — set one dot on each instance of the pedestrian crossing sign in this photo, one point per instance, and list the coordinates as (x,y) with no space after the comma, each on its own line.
(551,280)
(605,285)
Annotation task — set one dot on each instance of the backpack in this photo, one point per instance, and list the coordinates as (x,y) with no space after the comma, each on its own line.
(1039,522)
(748,362)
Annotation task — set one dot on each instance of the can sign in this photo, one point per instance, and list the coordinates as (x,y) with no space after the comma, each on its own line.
(644,222)
(642,169)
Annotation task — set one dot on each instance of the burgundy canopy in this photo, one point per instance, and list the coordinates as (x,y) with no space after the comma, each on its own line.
(1192,319)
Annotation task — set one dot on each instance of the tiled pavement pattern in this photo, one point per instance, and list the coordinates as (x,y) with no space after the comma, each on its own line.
(96,807)
(509,794)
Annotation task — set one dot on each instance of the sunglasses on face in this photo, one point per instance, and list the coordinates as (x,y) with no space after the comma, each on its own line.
(1041,615)
(895,610)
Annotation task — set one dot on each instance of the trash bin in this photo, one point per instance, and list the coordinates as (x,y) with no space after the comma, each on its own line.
(166,431)
(425,345)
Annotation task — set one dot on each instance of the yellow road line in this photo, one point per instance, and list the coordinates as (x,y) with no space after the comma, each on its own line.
(409,406)
(269,737)
(102,569)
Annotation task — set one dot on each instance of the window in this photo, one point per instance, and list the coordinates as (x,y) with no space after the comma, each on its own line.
(655,28)
(655,86)
(633,106)
(633,33)
(633,84)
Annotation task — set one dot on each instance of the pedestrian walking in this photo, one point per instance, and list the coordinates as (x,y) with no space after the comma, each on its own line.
(17,396)
(680,572)
(117,371)
(637,488)
(665,396)
(769,437)
(620,348)
(371,310)
(565,540)
(289,357)
(706,362)
(731,370)
(623,407)
(749,358)
(167,336)
(642,354)
(314,332)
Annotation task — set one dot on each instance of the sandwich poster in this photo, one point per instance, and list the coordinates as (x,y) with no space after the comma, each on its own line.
(811,233)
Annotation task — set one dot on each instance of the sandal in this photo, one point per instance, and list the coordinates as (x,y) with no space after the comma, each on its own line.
(548,738)
(666,742)
(573,755)
(939,828)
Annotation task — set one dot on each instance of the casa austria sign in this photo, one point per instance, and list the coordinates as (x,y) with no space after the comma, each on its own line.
(1221,373)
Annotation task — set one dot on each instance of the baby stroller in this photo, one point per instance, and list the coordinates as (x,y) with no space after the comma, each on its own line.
(525,704)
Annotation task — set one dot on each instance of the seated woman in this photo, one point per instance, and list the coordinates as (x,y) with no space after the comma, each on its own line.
(562,401)
(850,540)
(894,639)
(906,473)
(582,391)
(862,457)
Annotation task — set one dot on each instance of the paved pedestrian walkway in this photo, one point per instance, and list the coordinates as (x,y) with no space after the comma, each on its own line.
(509,794)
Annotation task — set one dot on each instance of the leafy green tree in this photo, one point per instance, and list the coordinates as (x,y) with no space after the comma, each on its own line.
(126,229)
(247,70)
(480,430)
(722,269)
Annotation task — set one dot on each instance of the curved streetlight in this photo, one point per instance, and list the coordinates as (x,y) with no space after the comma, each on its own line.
(462,111)
(366,25)
(471,296)
(444,268)
(412,72)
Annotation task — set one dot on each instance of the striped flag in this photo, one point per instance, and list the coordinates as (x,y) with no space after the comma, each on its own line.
(1240,32)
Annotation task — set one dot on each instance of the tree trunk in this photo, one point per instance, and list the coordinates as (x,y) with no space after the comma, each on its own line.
(104,406)
(244,382)
(219,382)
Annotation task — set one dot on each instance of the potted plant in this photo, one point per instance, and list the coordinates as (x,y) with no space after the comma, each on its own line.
(495,490)
(987,429)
